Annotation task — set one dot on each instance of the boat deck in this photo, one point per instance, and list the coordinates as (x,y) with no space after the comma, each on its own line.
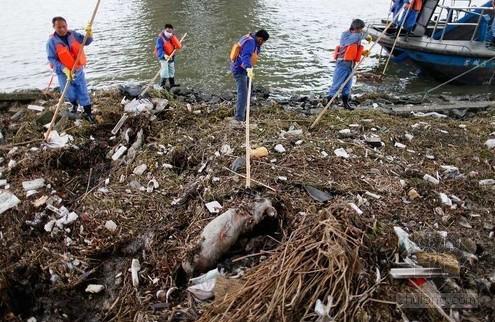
(426,44)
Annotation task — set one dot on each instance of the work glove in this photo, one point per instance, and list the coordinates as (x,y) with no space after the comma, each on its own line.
(369,38)
(68,74)
(89,30)
(366,53)
(250,73)
(167,57)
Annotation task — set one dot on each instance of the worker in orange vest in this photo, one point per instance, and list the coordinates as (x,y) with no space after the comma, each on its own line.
(166,47)
(63,48)
(347,55)
(412,8)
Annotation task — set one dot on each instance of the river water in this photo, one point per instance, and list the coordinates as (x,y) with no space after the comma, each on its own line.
(296,59)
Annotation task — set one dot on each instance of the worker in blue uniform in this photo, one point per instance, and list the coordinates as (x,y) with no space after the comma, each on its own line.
(67,58)
(347,54)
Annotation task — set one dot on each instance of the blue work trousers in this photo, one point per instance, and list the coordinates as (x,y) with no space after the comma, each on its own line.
(77,93)
(342,71)
(241,81)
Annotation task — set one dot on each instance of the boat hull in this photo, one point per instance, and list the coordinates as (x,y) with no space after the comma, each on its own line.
(446,67)
(443,60)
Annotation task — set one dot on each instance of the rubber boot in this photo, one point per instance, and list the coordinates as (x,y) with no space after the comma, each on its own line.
(74,107)
(88,115)
(172,82)
(347,104)
(163,82)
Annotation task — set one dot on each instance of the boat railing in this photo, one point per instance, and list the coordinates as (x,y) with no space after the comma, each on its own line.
(458,11)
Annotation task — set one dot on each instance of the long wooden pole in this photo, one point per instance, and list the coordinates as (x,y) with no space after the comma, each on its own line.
(350,77)
(395,42)
(153,80)
(67,83)
(248,144)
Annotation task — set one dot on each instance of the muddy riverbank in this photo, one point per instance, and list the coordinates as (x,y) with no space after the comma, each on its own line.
(379,167)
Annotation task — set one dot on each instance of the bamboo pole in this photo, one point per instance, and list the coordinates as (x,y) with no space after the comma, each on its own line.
(248,144)
(395,42)
(67,83)
(153,80)
(49,83)
(350,77)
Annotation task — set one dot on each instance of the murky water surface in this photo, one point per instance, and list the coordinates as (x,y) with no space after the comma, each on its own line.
(296,60)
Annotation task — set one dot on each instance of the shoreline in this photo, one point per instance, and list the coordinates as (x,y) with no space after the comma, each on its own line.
(148,204)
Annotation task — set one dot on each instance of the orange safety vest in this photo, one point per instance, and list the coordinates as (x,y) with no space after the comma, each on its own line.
(352,53)
(68,55)
(169,45)
(235,52)
(416,5)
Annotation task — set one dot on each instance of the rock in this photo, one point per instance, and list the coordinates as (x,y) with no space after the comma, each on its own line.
(431,179)
(111,226)
(33,184)
(279,148)
(94,288)
(487,182)
(413,194)
(341,153)
(490,144)
(445,199)
(140,169)
(130,90)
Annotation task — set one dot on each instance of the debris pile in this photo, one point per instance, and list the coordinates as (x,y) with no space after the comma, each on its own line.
(144,216)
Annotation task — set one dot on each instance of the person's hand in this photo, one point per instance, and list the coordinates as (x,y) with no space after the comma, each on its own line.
(68,74)
(369,38)
(89,30)
(167,57)
(250,73)
(366,53)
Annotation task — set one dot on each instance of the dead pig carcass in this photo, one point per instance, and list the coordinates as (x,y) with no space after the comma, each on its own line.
(222,233)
